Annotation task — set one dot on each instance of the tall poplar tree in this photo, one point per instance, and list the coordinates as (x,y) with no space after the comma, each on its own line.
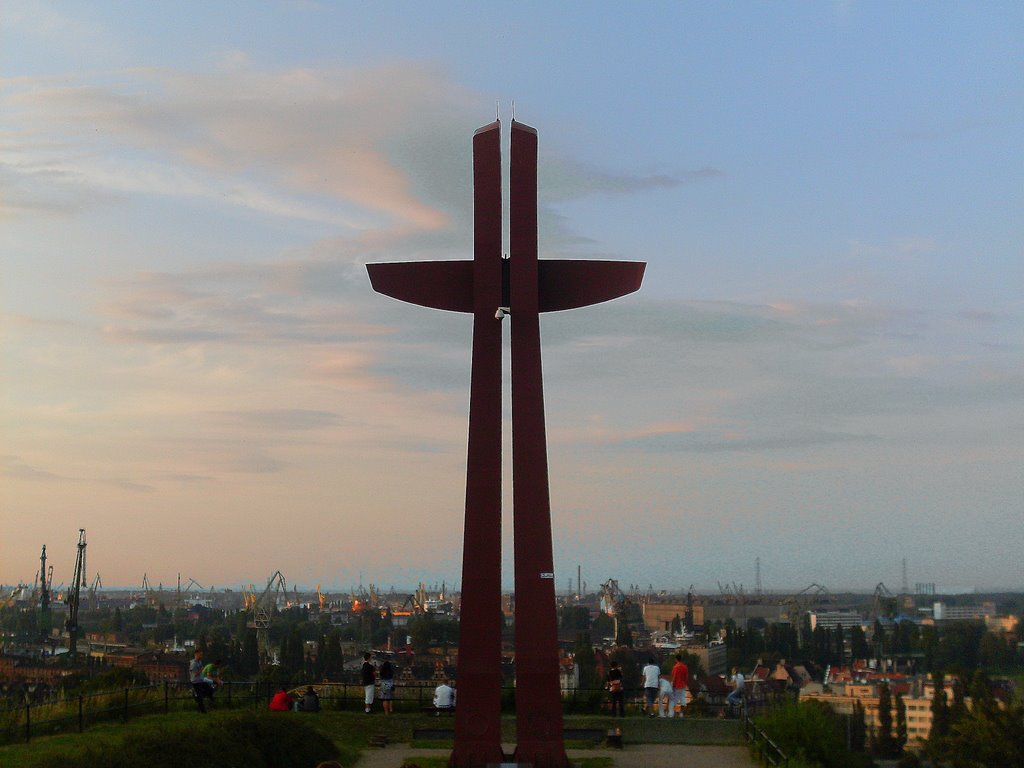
(901,725)
(940,710)
(885,745)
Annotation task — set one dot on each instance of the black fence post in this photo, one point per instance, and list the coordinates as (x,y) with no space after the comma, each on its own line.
(81,719)
(126,705)
(28,723)
(167,698)
(229,693)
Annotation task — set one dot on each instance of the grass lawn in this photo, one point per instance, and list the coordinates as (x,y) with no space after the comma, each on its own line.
(349,733)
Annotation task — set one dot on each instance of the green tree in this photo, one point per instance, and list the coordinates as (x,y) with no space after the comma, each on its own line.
(988,734)
(811,732)
(583,653)
(901,725)
(603,626)
(958,709)
(993,652)
(331,662)
(622,634)
(885,745)
(292,652)
(575,618)
(940,711)
(859,647)
(858,728)
(249,656)
(878,638)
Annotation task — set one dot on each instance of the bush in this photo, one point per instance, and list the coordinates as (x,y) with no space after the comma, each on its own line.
(811,733)
(114,680)
(247,740)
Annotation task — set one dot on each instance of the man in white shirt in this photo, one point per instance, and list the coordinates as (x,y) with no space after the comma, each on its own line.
(651,672)
(444,698)
(740,685)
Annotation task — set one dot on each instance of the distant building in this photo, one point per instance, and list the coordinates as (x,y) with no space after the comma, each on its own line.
(917,697)
(712,657)
(658,617)
(833,619)
(102,643)
(943,612)
(742,612)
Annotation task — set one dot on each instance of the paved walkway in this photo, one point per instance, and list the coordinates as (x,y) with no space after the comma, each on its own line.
(634,756)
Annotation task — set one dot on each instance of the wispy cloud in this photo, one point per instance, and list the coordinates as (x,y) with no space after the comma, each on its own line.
(283,419)
(717,442)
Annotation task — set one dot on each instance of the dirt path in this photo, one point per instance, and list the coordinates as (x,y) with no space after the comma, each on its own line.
(635,756)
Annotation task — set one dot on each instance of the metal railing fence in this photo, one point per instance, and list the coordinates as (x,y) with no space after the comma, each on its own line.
(76,713)
(768,752)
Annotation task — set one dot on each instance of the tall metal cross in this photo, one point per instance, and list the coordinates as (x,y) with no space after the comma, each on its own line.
(491,288)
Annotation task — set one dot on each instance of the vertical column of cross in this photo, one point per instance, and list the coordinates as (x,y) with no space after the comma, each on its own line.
(478,713)
(538,701)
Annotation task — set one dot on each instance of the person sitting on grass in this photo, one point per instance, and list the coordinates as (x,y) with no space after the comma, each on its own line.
(282,701)
(309,702)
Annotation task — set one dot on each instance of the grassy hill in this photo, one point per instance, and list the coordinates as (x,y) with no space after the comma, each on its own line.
(259,739)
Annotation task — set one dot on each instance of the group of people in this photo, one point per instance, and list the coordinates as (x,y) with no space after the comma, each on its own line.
(204,679)
(285,702)
(444,694)
(368,675)
(664,695)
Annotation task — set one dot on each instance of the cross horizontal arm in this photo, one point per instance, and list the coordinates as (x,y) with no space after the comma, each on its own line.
(561,283)
(571,283)
(436,284)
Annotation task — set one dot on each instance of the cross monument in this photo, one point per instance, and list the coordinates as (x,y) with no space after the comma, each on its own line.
(491,288)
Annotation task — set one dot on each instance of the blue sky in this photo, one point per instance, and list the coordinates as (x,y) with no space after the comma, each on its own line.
(823,368)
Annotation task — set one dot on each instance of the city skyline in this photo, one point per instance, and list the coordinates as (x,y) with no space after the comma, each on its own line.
(822,370)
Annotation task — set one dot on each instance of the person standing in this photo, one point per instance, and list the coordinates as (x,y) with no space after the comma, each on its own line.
(202,687)
(650,674)
(368,676)
(680,684)
(387,686)
(666,697)
(616,690)
(739,688)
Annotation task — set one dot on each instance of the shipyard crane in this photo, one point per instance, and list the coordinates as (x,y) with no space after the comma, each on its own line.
(249,596)
(884,602)
(75,596)
(262,611)
(97,583)
(614,602)
(801,602)
(44,586)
